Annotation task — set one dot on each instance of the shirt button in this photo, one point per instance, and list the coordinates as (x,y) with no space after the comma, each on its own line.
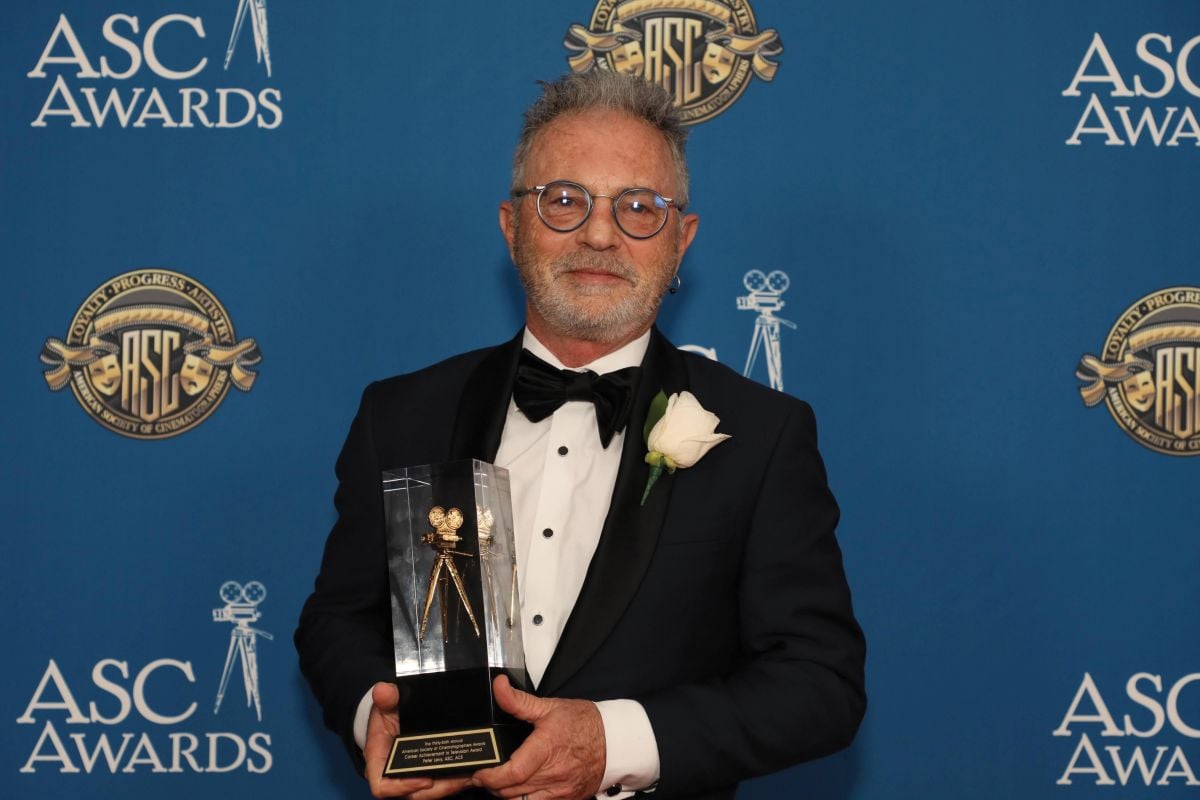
(548,533)
(562,451)
(537,619)
(613,790)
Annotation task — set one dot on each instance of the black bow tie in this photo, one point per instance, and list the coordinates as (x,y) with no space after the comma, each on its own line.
(540,389)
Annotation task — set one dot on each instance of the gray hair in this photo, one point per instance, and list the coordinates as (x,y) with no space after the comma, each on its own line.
(607,90)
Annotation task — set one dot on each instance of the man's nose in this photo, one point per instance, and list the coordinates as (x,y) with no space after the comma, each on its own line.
(600,231)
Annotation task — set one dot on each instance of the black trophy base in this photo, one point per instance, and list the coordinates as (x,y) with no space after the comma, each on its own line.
(451,725)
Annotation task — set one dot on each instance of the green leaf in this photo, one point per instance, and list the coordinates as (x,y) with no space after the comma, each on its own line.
(658,407)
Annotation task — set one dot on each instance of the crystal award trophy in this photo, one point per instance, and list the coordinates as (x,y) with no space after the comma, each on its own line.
(452,564)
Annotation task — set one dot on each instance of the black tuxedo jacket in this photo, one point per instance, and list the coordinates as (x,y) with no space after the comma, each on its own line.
(720,605)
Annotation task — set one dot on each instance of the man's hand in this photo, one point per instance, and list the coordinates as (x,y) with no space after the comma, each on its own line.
(562,759)
(383,726)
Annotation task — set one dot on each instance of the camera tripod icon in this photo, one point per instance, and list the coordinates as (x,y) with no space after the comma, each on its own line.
(256,10)
(765,290)
(241,608)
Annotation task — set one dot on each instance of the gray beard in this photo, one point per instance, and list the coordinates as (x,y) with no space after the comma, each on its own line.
(630,311)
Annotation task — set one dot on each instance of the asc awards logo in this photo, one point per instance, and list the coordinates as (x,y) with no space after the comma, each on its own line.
(701,51)
(152,72)
(150,354)
(1146,746)
(134,718)
(1131,107)
(1148,372)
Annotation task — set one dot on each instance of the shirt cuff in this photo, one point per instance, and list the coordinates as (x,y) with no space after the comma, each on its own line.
(361,716)
(631,750)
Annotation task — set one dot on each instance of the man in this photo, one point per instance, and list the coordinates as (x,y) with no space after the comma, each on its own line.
(677,645)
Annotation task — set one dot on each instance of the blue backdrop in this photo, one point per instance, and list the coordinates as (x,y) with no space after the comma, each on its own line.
(938,180)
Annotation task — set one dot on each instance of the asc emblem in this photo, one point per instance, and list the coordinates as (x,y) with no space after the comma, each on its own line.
(150,354)
(1149,371)
(701,51)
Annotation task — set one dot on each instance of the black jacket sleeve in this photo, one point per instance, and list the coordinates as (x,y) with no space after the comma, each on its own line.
(344,636)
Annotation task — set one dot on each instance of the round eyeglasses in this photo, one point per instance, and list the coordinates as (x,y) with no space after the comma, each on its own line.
(565,206)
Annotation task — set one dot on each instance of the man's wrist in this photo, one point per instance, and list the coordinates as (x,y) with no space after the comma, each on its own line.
(631,757)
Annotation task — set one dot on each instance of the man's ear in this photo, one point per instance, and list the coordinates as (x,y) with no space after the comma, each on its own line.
(508,224)
(687,232)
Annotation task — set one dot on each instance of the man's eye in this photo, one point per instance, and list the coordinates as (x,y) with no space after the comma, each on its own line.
(563,202)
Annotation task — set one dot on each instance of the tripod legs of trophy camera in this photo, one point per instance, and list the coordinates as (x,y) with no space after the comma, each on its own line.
(489,584)
(489,589)
(437,585)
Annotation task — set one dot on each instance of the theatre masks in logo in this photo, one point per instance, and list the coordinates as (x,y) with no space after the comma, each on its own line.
(241,609)
(765,299)
(702,51)
(150,354)
(1148,372)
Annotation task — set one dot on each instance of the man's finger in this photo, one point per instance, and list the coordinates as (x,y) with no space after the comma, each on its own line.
(503,776)
(398,787)
(442,787)
(385,696)
(527,759)
(525,790)
(523,706)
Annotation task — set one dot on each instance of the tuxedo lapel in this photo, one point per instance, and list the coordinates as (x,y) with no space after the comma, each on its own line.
(483,406)
(630,530)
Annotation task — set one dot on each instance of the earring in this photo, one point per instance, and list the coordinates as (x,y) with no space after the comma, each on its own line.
(676,284)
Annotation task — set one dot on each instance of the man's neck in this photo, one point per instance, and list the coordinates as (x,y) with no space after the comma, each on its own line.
(576,352)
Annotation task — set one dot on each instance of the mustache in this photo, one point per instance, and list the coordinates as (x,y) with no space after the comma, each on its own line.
(590,261)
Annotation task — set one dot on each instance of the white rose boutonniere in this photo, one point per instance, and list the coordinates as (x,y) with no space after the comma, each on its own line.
(678,432)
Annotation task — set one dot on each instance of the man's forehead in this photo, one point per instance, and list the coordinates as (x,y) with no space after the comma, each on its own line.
(607,145)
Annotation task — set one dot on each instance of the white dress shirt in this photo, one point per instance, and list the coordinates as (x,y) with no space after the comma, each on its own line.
(562,481)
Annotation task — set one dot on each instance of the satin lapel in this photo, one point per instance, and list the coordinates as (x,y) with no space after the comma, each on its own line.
(484,404)
(630,530)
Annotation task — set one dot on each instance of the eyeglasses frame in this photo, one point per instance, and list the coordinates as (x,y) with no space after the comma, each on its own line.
(613,199)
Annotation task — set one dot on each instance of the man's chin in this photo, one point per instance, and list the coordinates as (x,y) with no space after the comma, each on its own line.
(599,324)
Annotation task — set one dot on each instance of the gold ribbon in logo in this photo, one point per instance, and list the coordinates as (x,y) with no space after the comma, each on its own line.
(1134,372)
(588,43)
(236,359)
(1137,374)
(759,49)
(98,355)
(200,357)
